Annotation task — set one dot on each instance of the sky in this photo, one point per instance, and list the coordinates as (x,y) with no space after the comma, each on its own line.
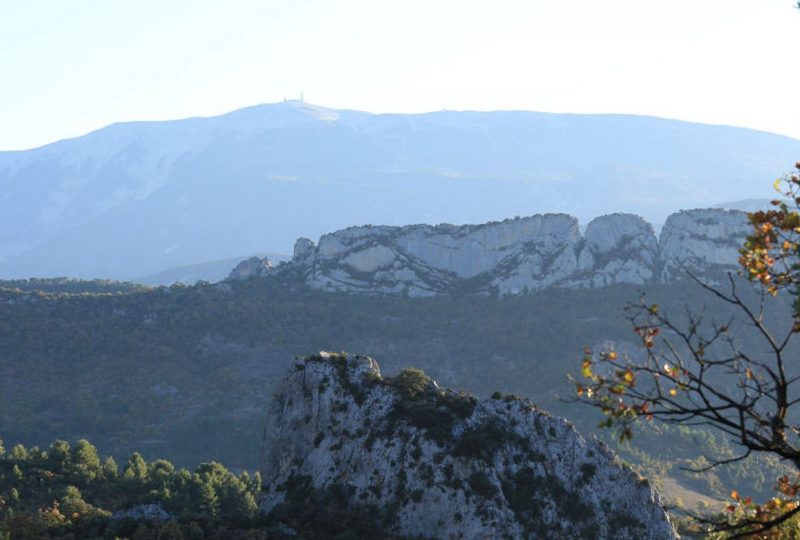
(68,67)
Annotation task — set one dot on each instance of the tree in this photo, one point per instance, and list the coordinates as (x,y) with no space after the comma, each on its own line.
(160,471)
(207,499)
(85,461)
(110,468)
(19,453)
(59,455)
(693,372)
(135,468)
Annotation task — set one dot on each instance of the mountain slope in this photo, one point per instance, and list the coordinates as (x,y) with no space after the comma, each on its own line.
(131,199)
(211,271)
(436,463)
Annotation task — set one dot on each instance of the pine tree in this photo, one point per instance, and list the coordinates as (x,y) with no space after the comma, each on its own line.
(59,455)
(208,501)
(85,461)
(19,453)
(135,468)
(110,468)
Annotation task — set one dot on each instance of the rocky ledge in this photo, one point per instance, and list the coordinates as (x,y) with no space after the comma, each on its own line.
(516,255)
(433,463)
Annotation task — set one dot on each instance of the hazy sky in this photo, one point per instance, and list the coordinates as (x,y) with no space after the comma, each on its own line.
(71,66)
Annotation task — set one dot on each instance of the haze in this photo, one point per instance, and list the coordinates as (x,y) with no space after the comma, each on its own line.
(72,67)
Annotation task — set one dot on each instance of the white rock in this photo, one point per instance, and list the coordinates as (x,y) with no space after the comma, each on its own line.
(250,268)
(619,248)
(516,255)
(303,249)
(445,465)
(143,512)
(702,242)
(370,259)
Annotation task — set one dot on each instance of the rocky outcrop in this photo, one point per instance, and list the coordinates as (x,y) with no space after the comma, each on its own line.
(143,512)
(303,250)
(434,463)
(517,255)
(703,242)
(620,248)
(252,267)
(423,260)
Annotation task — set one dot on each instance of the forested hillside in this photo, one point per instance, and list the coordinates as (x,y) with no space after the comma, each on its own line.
(185,372)
(72,286)
(71,491)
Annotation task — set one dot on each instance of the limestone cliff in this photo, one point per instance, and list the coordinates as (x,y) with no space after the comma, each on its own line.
(517,255)
(702,242)
(252,267)
(434,463)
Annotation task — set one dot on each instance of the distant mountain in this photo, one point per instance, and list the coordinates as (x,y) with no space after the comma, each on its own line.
(211,271)
(748,205)
(131,199)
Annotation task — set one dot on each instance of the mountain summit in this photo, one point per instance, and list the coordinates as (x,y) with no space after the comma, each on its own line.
(135,198)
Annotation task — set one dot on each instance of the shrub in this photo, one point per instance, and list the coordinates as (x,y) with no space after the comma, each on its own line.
(482,485)
(484,441)
(587,472)
(411,381)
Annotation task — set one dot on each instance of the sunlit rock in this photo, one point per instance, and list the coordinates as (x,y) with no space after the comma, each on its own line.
(439,464)
(516,256)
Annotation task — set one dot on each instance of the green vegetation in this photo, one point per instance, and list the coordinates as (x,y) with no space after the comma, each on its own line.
(326,513)
(411,382)
(526,487)
(72,286)
(71,492)
(481,485)
(186,372)
(484,441)
(696,372)
(435,412)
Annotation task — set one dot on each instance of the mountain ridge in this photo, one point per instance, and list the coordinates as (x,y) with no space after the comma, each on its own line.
(310,106)
(134,198)
(515,256)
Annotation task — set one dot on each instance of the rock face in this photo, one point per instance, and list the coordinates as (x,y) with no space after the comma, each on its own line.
(518,255)
(130,200)
(433,463)
(252,267)
(620,248)
(143,512)
(704,242)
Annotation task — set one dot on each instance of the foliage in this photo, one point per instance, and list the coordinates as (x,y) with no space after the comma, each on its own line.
(696,372)
(411,381)
(327,513)
(771,255)
(73,286)
(484,441)
(435,412)
(186,372)
(64,491)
